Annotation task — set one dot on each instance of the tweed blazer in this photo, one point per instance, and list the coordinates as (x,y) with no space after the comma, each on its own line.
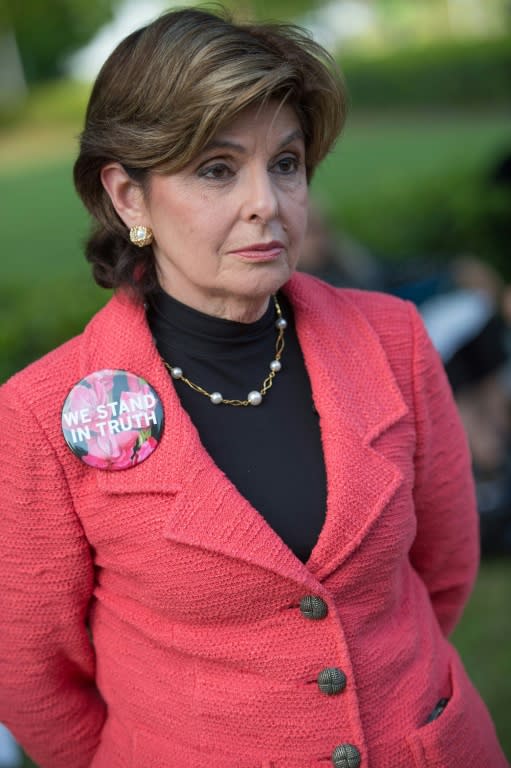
(151,618)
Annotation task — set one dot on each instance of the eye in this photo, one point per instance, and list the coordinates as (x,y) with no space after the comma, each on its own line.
(216,171)
(287,164)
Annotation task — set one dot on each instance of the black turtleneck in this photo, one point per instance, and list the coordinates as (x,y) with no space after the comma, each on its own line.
(272,452)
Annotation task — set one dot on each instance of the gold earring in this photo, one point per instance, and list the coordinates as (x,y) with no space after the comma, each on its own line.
(141,236)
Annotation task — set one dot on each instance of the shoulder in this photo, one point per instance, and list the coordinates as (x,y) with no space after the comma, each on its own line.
(391,318)
(36,393)
(383,311)
(373,304)
(400,332)
(63,363)
(30,405)
(46,375)
(396,322)
(373,322)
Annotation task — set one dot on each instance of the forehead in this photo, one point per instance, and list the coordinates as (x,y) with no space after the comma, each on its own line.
(271,124)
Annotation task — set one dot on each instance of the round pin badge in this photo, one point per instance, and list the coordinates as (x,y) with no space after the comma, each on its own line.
(112,419)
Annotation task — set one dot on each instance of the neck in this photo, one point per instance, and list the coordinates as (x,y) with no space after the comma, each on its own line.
(237,310)
(240,312)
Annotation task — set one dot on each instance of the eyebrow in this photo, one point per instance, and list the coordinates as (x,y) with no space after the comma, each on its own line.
(226,144)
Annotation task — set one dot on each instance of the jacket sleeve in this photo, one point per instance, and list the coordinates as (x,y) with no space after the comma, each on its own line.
(48,696)
(445,553)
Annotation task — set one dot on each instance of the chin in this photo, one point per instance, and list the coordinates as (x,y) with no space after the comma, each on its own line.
(265,281)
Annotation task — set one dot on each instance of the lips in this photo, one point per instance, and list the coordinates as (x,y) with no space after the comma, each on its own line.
(261,251)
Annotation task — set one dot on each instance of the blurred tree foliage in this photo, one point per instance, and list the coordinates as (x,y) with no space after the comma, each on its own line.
(28,329)
(461,212)
(48,30)
(445,74)
(272,9)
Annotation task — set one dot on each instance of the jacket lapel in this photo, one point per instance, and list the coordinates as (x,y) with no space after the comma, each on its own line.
(118,337)
(205,509)
(357,398)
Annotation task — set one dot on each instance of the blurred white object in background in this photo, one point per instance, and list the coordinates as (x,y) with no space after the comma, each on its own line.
(85,64)
(10,754)
(454,318)
(338,21)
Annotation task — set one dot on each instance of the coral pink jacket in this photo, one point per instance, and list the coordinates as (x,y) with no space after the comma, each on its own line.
(200,653)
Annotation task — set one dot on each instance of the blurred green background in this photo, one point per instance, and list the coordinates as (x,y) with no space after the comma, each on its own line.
(430,93)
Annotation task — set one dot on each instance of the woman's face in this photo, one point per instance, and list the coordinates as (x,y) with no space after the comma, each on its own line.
(228,228)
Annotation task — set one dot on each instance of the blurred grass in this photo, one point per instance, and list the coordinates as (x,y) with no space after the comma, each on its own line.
(372,183)
(482,639)
(381,152)
(47,224)
(380,156)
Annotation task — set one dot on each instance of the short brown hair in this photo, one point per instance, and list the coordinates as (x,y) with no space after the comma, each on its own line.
(168,88)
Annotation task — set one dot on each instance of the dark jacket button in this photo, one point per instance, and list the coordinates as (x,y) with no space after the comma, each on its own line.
(331,681)
(313,607)
(346,756)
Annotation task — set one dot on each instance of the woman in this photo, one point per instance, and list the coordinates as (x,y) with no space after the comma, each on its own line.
(270,579)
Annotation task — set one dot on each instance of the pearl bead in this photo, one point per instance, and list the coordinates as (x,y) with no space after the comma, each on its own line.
(281,324)
(254,397)
(176,373)
(275,365)
(216,398)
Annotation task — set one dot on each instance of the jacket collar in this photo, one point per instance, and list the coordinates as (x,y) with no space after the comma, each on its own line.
(206,510)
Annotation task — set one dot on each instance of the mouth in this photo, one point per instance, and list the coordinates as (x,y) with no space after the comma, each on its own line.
(261,251)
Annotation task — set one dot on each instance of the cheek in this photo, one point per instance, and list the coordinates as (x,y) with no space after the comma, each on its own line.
(210,221)
(175,211)
(297,217)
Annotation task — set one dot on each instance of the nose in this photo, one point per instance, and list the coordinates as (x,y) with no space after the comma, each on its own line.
(259,197)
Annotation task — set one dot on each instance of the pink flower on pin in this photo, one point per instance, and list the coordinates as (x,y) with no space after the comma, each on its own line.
(145,450)
(112,419)
(112,451)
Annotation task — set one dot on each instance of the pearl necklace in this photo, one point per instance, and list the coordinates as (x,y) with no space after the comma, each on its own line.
(255,397)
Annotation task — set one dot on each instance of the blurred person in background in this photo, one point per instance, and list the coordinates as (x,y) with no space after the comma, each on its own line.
(468,326)
(238,518)
(467,310)
(335,257)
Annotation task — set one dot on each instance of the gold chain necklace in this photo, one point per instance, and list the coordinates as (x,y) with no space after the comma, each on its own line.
(254,397)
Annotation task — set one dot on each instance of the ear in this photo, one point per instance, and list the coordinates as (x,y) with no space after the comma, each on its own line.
(126,195)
